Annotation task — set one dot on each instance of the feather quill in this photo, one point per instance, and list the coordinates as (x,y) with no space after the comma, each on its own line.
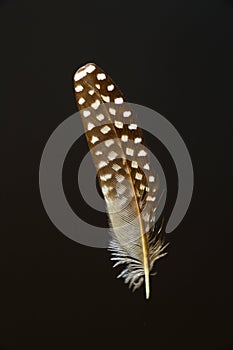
(125,175)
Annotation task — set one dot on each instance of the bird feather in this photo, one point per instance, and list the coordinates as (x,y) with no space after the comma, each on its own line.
(123,169)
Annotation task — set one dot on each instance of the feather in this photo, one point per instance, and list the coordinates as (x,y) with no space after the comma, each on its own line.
(126,177)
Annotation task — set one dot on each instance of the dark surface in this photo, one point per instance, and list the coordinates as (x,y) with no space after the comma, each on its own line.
(175,58)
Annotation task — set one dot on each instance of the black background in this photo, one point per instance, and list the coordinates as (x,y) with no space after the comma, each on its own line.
(175,57)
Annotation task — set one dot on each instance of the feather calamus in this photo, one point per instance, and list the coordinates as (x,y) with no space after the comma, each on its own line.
(126,177)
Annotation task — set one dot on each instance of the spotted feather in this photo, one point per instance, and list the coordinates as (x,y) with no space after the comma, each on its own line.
(126,177)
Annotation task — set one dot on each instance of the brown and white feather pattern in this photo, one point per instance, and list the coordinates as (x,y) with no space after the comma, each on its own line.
(125,175)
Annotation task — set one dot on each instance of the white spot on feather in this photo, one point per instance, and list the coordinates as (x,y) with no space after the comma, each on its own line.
(101,76)
(90,126)
(90,68)
(81,101)
(95,104)
(142,153)
(138,176)
(146,166)
(100,117)
(110,87)
(109,142)
(124,138)
(126,114)
(79,75)
(102,164)
(134,164)
(105,177)
(105,98)
(132,126)
(150,199)
(94,139)
(86,114)
(112,111)
(118,100)
(129,151)
(112,155)
(116,167)
(118,124)
(105,129)
(79,88)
